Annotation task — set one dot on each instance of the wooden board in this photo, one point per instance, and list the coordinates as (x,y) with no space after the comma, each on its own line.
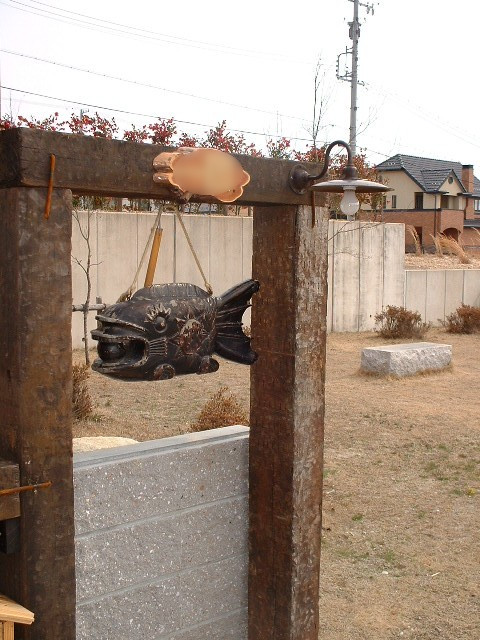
(36,404)
(12,612)
(201,172)
(286,423)
(119,168)
(9,478)
(7,631)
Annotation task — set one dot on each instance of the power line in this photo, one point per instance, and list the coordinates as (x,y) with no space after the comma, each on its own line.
(428,116)
(146,115)
(156,33)
(380,153)
(147,85)
(136,32)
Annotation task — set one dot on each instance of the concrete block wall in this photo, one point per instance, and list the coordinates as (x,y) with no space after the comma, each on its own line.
(436,293)
(161,538)
(366,270)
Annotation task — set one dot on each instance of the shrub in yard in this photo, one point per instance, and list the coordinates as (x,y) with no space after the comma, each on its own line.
(222,409)
(465,319)
(81,400)
(398,322)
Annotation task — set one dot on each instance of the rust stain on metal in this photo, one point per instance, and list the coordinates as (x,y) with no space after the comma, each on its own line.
(31,487)
(48,203)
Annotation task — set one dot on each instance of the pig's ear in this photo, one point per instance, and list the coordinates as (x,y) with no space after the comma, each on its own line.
(203,172)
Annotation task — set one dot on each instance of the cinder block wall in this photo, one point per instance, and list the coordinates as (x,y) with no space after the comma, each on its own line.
(161,539)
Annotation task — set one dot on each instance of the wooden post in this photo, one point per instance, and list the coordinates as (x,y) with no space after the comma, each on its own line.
(35,397)
(287,410)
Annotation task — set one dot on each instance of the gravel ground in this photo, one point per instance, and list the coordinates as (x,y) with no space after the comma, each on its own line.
(401,544)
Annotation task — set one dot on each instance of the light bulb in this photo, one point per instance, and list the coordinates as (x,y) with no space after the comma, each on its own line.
(349,204)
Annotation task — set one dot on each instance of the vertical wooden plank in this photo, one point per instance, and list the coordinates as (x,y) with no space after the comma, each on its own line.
(35,397)
(287,410)
(8,631)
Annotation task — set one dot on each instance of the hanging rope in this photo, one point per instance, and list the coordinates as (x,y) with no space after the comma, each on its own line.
(208,286)
(126,295)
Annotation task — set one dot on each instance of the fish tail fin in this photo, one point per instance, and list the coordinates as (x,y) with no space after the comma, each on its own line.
(231,342)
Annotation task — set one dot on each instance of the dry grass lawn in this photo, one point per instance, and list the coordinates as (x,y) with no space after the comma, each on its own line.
(401,542)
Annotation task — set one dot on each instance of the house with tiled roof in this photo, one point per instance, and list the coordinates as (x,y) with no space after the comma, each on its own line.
(434,196)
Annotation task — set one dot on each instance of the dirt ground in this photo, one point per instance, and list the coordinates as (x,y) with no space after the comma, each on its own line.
(401,542)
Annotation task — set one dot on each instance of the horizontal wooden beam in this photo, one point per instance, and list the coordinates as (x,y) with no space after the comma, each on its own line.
(97,166)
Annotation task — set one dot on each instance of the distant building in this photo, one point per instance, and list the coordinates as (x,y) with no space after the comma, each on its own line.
(434,196)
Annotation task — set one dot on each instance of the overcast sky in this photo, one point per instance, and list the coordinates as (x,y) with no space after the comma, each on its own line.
(252,63)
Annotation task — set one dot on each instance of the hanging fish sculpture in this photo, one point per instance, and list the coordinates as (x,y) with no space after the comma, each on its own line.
(171,329)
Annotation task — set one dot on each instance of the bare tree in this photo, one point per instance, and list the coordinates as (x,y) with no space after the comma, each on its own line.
(321,98)
(86,268)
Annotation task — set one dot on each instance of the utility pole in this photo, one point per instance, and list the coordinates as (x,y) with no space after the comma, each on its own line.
(351,75)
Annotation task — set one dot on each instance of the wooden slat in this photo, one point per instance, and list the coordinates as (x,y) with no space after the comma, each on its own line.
(36,404)
(9,478)
(119,168)
(8,631)
(12,612)
(286,418)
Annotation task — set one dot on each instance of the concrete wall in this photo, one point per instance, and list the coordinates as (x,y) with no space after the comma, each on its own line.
(365,273)
(161,539)
(437,293)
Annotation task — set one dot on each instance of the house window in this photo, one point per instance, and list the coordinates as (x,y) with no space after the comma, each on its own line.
(394,202)
(444,202)
(384,202)
(419,200)
(476,206)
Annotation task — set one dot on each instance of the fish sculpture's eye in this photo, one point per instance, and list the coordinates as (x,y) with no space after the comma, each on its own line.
(160,323)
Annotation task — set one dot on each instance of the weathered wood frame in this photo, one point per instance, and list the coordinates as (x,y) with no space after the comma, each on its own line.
(287,397)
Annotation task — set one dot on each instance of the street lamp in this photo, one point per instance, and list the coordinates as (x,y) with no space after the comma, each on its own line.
(349,184)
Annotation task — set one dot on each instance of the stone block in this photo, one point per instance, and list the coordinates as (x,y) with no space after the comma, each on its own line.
(140,481)
(168,606)
(402,360)
(143,551)
(162,538)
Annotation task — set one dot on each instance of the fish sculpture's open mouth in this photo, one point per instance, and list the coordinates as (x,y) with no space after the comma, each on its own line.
(118,347)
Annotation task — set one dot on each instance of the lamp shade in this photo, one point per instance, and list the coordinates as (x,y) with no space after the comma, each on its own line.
(360,186)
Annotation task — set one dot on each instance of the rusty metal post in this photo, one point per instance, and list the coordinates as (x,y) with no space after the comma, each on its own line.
(287,411)
(35,397)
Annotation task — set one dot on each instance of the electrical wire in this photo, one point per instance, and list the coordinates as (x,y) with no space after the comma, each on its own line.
(156,33)
(149,86)
(138,33)
(146,115)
